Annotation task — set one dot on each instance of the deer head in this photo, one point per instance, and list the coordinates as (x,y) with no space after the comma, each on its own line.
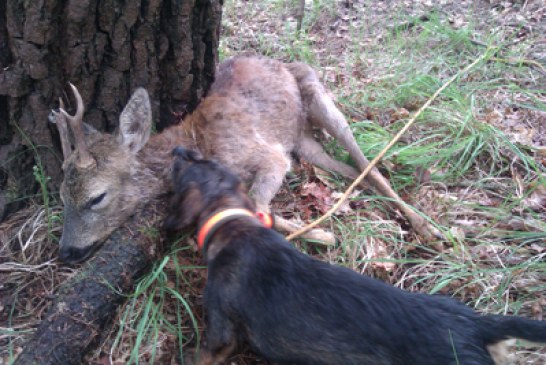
(100,189)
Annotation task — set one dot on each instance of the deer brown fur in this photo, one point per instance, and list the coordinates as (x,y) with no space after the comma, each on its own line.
(258,111)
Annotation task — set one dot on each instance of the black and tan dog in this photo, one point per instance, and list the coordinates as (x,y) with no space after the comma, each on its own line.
(293,309)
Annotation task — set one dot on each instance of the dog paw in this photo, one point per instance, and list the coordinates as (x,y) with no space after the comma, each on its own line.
(190,357)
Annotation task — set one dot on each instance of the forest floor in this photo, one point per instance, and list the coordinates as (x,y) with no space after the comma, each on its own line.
(474,163)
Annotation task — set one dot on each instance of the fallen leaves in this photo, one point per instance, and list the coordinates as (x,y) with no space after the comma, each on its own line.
(521,126)
(536,200)
(319,198)
(315,197)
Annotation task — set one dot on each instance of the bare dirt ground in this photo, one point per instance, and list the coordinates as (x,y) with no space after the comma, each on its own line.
(493,211)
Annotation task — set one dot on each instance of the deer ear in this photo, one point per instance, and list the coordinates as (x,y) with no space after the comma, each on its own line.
(89,130)
(91,134)
(135,122)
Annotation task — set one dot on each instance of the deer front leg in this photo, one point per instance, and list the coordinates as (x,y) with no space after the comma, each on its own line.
(267,182)
(221,339)
(269,177)
(316,234)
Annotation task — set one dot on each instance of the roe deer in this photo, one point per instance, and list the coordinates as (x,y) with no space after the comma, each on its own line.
(257,112)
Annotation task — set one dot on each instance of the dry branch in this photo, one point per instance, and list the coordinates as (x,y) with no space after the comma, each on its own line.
(86,304)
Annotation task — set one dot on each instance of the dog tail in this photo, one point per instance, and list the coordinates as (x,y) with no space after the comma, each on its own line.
(498,328)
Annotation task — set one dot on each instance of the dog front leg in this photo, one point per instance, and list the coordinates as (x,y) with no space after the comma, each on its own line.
(267,183)
(221,340)
(208,357)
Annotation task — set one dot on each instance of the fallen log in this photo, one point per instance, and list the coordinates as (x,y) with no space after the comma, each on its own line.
(86,304)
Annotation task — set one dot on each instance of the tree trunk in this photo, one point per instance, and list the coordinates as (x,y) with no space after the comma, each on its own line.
(85,305)
(106,48)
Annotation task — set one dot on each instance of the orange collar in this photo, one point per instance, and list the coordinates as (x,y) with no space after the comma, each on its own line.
(213,223)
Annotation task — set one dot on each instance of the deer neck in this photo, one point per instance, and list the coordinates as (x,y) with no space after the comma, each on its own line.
(155,159)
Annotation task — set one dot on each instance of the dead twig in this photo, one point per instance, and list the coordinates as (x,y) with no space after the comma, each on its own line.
(519,61)
(410,122)
(513,61)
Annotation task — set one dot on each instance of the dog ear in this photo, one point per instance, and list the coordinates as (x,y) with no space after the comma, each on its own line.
(194,156)
(248,202)
(185,209)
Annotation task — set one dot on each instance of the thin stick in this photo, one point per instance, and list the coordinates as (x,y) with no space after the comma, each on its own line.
(387,147)
(515,61)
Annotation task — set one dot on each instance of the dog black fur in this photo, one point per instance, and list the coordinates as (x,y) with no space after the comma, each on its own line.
(293,309)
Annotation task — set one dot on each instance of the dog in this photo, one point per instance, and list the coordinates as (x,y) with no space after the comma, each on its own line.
(294,309)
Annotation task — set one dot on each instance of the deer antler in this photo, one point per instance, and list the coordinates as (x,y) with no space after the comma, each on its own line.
(60,120)
(83,158)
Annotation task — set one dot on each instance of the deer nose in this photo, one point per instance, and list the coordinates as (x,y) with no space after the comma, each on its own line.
(72,255)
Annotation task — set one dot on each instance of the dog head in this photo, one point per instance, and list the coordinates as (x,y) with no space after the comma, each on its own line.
(202,187)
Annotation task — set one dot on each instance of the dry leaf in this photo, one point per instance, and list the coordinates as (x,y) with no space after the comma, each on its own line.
(457,233)
(377,250)
(323,176)
(345,208)
(537,199)
(316,196)
(536,309)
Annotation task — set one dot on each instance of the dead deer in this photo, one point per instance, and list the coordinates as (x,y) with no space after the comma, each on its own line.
(257,112)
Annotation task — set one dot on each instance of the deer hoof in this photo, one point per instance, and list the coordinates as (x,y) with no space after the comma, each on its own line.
(324,237)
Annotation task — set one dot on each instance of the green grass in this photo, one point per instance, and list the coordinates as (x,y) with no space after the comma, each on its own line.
(41,177)
(158,307)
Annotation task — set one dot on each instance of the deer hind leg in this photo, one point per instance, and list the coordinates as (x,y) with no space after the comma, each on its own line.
(314,152)
(267,182)
(322,112)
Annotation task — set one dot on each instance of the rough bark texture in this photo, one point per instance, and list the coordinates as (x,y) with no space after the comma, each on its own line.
(87,303)
(106,48)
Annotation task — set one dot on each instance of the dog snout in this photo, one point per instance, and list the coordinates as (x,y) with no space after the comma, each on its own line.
(180,152)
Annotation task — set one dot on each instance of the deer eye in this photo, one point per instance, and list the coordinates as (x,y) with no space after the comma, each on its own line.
(96,201)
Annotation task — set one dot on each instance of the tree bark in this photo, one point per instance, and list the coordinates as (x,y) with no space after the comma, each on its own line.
(86,304)
(106,48)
